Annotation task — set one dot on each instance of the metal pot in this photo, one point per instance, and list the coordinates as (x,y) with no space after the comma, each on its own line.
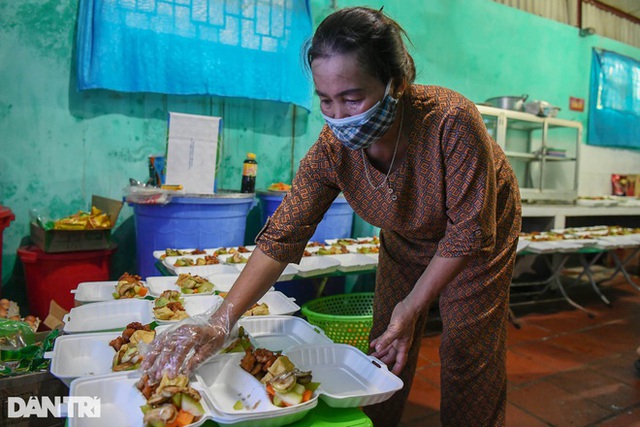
(515,103)
(541,108)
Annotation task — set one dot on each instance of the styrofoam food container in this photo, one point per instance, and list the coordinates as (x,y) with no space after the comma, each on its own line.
(366,240)
(159,254)
(158,284)
(87,292)
(107,316)
(195,306)
(522,244)
(170,260)
(204,270)
(223,282)
(347,376)
(226,382)
(354,262)
(120,400)
(279,333)
(82,355)
(212,251)
(354,248)
(348,241)
(289,272)
(279,304)
(625,240)
(224,258)
(316,265)
(606,244)
(554,246)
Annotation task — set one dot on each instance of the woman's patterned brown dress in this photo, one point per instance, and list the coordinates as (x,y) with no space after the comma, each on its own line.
(456,195)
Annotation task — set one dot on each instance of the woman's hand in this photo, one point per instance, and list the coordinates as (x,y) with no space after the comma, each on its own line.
(180,350)
(393,346)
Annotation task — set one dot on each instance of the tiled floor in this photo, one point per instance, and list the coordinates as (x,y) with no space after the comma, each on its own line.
(563,367)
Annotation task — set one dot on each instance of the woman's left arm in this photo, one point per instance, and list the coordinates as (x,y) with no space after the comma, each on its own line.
(393,346)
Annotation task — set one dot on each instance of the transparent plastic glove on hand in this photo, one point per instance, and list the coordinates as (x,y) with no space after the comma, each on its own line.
(180,349)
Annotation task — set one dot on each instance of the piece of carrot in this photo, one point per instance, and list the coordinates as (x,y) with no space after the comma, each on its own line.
(270,390)
(143,291)
(306,396)
(184,418)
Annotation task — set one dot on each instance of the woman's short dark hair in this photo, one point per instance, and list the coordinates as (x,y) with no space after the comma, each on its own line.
(375,38)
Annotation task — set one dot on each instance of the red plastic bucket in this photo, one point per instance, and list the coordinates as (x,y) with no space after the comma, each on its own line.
(53,276)
(6,216)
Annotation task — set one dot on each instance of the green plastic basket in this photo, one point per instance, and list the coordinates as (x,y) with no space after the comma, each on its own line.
(345,318)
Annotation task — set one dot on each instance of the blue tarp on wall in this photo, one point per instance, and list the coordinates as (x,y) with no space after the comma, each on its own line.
(614,103)
(238,48)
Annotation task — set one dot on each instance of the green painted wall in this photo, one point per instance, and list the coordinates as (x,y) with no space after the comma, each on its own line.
(60,146)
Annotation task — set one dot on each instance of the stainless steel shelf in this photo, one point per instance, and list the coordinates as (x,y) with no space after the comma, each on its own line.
(531,135)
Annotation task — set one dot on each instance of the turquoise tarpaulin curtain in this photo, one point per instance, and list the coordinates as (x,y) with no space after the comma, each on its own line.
(238,48)
(614,103)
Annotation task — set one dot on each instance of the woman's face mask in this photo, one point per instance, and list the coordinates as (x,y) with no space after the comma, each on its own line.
(364,129)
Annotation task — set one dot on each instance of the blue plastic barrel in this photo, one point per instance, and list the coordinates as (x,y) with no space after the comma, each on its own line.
(188,222)
(336,224)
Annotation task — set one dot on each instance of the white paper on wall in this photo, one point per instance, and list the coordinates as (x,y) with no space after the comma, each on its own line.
(191,152)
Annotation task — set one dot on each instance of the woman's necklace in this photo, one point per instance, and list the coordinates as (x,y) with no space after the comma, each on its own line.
(395,150)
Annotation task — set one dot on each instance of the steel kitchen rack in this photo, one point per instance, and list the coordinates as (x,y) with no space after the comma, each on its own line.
(543,152)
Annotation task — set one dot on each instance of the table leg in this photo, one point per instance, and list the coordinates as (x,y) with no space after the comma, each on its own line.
(587,271)
(556,277)
(620,267)
(320,286)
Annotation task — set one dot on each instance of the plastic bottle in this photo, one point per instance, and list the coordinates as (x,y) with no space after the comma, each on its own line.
(249,171)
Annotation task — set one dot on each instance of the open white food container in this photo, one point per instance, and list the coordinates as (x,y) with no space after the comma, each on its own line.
(347,376)
(107,316)
(279,303)
(120,403)
(160,255)
(82,355)
(345,241)
(195,306)
(120,400)
(355,249)
(158,284)
(201,270)
(279,333)
(87,292)
(226,383)
(225,258)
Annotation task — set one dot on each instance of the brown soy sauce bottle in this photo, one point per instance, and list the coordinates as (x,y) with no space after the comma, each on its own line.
(249,172)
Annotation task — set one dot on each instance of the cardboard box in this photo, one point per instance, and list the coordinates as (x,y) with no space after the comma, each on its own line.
(55,317)
(37,384)
(53,241)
